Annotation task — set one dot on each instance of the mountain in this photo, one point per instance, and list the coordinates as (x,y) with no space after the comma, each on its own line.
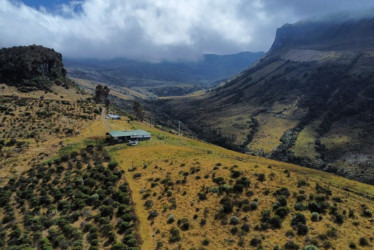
(163,78)
(309,101)
(32,68)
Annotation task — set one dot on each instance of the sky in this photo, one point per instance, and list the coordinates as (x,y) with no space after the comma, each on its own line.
(157,30)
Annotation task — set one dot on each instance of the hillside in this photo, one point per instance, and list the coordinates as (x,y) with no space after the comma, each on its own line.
(162,78)
(309,101)
(171,192)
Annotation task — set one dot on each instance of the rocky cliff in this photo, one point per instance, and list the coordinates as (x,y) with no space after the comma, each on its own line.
(32,68)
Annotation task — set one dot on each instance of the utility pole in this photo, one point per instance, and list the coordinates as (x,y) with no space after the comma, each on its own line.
(179,128)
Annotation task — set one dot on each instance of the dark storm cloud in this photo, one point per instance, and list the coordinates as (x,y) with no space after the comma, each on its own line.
(159,29)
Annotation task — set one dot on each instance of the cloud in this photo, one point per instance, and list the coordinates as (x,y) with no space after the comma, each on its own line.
(156,29)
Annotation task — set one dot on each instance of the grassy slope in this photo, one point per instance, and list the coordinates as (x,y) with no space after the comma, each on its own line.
(170,155)
(174,156)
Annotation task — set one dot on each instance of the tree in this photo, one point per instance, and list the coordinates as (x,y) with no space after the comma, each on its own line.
(101,94)
(138,110)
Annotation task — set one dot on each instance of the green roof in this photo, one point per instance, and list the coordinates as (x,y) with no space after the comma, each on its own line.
(134,133)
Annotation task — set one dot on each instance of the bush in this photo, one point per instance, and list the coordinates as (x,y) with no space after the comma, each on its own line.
(302,229)
(298,218)
(282,191)
(171,218)
(255,242)
(290,245)
(352,245)
(282,212)
(276,221)
(227,204)
(363,242)
(205,242)
(202,222)
(253,205)
(300,206)
(174,235)
(246,227)
(310,247)
(367,213)
(339,218)
(261,177)
(315,217)
(152,214)
(234,220)
(202,196)
(112,165)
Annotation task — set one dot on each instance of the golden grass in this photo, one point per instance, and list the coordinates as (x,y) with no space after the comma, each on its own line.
(270,131)
(305,142)
(168,155)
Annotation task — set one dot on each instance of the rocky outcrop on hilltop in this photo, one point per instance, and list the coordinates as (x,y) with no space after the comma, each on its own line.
(32,68)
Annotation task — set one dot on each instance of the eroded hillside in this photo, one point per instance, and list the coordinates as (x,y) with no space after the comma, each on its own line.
(308,101)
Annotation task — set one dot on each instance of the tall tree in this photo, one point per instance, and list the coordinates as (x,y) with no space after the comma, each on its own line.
(138,110)
(101,94)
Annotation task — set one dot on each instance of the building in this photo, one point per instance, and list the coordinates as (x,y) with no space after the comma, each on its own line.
(113,117)
(125,136)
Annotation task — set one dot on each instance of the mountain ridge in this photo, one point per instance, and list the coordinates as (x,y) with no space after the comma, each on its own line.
(308,101)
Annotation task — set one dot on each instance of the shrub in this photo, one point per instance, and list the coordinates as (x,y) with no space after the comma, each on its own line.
(367,213)
(281,202)
(255,242)
(339,218)
(282,212)
(202,196)
(302,229)
(261,177)
(183,224)
(227,204)
(276,221)
(253,205)
(363,242)
(290,233)
(246,227)
(171,218)
(332,233)
(310,247)
(315,217)
(202,222)
(174,235)
(290,245)
(152,214)
(234,220)
(112,165)
(298,218)
(300,206)
(282,191)
(352,245)
(234,230)
(205,242)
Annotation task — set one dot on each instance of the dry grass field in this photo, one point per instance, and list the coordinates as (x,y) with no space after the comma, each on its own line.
(186,194)
(210,196)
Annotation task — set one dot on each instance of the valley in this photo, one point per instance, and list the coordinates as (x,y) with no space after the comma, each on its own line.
(238,151)
(308,101)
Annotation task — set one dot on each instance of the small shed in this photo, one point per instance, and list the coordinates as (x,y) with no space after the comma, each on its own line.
(125,136)
(113,117)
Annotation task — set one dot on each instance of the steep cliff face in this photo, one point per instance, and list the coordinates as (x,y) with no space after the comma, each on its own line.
(310,100)
(340,35)
(32,67)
